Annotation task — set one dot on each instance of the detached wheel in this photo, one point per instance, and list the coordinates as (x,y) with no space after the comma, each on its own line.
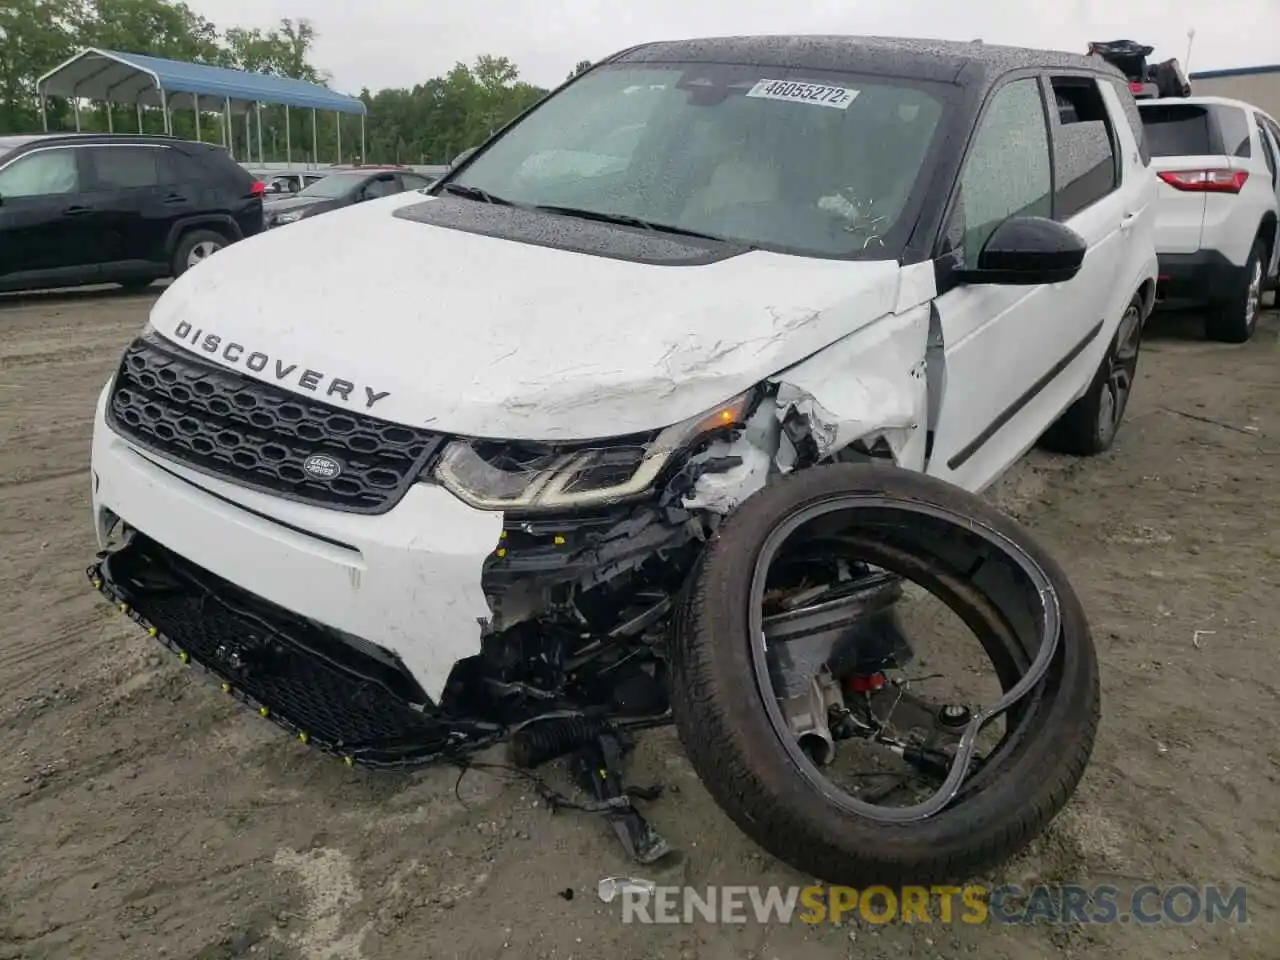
(1235,318)
(196,247)
(1012,595)
(1089,425)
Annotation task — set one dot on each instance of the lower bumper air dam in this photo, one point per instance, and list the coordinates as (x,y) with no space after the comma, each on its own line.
(350,703)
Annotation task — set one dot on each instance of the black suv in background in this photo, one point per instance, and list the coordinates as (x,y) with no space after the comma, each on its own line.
(108,208)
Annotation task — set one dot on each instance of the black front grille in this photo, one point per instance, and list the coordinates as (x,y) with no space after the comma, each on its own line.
(304,677)
(258,435)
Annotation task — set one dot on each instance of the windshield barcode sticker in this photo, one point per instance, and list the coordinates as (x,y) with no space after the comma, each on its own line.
(816,93)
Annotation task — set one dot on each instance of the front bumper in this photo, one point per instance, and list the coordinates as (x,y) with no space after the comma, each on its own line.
(341,698)
(407,581)
(1196,279)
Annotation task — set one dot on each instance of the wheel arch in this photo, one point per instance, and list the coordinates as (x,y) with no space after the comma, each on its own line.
(224,224)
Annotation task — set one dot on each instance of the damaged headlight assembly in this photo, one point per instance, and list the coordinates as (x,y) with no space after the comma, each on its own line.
(530,477)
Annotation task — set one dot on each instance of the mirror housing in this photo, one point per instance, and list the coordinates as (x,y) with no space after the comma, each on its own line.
(1028,251)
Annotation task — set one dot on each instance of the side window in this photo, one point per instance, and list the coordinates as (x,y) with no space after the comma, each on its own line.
(44,173)
(384,186)
(1007,171)
(1234,126)
(127,168)
(1085,165)
(412,182)
(1134,116)
(1267,153)
(1273,128)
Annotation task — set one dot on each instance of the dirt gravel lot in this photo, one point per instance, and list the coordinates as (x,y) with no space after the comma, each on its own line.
(144,815)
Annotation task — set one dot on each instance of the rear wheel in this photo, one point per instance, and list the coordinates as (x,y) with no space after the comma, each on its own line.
(1089,425)
(1234,319)
(740,734)
(194,248)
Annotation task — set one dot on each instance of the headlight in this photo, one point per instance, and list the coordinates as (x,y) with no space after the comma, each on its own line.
(498,475)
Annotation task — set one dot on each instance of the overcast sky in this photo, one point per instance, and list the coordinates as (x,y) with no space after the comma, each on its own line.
(385,43)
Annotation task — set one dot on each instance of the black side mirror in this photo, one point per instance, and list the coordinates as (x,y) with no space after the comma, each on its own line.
(1028,251)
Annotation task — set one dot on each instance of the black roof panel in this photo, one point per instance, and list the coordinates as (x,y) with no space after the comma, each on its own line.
(890,56)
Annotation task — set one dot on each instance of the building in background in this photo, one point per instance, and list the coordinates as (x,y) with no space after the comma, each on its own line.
(1259,86)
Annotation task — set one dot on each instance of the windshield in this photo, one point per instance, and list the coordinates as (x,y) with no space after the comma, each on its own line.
(817,163)
(334,185)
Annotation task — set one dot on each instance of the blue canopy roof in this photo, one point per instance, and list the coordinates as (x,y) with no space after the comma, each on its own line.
(115,77)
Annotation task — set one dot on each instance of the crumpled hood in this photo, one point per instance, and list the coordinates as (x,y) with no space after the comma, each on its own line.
(472,335)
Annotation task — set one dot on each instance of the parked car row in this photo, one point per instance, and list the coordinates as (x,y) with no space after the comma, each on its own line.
(340,189)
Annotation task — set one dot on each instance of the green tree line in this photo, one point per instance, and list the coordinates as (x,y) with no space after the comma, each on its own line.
(428,123)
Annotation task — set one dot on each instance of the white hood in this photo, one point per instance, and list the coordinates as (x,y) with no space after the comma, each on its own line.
(486,337)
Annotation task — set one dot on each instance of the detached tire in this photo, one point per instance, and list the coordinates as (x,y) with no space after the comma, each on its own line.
(1089,426)
(1234,319)
(195,246)
(736,749)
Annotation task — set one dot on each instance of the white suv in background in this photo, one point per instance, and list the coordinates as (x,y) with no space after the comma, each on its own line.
(1217,213)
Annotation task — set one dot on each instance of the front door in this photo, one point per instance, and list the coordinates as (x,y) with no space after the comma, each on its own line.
(997,340)
(43,214)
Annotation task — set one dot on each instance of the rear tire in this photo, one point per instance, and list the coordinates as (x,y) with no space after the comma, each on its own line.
(1089,426)
(194,247)
(726,732)
(1234,319)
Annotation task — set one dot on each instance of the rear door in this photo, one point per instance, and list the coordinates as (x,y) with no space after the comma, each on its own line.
(135,200)
(1087,197)
(1269,141)
(44,212)
(1186,147)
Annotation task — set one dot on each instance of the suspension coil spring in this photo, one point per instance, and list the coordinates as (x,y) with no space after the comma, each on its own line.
(545,740)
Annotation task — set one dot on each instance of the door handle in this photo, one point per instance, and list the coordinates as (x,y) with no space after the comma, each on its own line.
(1128,220)
(175,198)
(75,210)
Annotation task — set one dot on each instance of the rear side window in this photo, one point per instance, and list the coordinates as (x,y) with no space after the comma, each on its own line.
(215,161)
(127,168)
(1267,153)
(1233,125)
(1272,127)
(1178,130)
(1134,116)
(1085,164)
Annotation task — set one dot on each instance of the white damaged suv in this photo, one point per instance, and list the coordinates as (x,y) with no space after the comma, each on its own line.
(479,451)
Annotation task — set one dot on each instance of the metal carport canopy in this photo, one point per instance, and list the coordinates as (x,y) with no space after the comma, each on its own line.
(113,77)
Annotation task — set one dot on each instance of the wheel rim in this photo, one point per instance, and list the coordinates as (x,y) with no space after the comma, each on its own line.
(202,251)
(1122,364)
(1253,300)
(1042,615)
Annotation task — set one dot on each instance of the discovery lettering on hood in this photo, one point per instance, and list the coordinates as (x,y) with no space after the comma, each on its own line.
(239,355)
